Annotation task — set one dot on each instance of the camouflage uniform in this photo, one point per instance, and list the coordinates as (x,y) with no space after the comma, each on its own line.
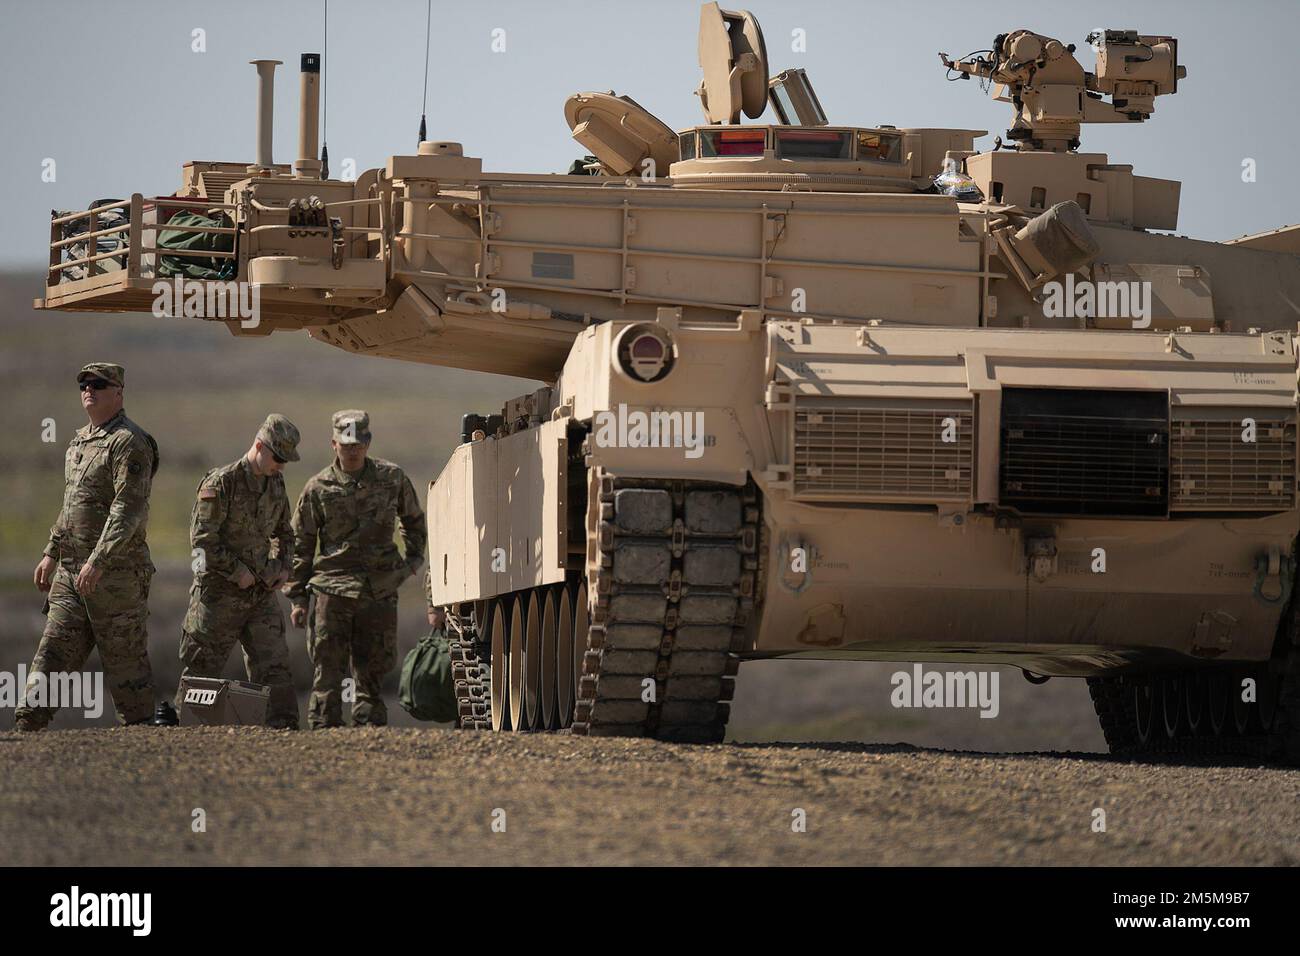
(241,522)
(108,472)
(355,577)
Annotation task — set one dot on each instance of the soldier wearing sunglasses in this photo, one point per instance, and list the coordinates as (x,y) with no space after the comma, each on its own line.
(243,548)
(96,569)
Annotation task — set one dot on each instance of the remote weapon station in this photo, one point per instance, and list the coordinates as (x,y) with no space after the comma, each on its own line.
(806,390)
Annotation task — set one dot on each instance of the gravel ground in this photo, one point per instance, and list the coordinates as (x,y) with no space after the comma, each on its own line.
(405,796)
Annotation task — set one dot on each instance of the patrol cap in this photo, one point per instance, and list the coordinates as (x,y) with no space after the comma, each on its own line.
(113,374)
(278,433)
(351,427)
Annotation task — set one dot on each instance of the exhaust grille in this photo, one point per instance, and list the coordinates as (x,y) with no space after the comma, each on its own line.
(1085,452)
(882,450)
(215,184)
(1215,469)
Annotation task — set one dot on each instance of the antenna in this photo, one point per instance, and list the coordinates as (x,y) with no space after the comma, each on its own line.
(325,97)
(424,102)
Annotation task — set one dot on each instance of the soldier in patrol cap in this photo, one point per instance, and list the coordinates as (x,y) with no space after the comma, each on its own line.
(349,510)
(96,569)
(240,531)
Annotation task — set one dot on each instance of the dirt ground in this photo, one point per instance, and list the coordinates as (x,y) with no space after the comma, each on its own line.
(407,796)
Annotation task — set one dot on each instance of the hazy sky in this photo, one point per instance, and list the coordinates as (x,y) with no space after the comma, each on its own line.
(113,92)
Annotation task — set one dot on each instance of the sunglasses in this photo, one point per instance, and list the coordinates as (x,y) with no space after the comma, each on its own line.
(278,459)
(97,384)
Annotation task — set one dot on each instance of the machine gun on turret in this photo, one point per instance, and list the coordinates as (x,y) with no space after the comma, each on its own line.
(1053,94)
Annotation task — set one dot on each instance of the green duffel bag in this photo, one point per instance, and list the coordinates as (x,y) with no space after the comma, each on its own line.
(195,267)
(426,691)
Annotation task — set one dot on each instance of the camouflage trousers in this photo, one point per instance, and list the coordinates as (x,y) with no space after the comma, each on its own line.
(111,619)
(365,630)
(221,614)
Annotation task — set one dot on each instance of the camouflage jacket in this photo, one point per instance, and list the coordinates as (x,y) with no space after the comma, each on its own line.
(239,524)
(107,475)
(351,519)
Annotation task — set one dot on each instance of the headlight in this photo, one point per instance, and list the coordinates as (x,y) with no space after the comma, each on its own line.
(644,352)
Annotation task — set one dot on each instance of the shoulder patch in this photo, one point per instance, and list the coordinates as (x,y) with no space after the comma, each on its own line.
(207,494)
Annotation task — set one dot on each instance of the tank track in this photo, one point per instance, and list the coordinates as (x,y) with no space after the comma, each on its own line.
(672,571)
(671,574)
(1270,732)
(1113,700)
(470,671)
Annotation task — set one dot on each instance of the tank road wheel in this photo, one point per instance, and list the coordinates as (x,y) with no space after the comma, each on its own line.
(1195,699)
(1283,712)
(1200,710)
(1218,706)
(550,612)
(515,663)
(564,659)
(500,664)
(1286,719)
(1172,689)
(1243,711)
(1268,691)
(1145,709)
(532,667)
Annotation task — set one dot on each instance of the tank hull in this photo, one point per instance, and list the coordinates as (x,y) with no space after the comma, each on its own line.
(886,585)
(880,540)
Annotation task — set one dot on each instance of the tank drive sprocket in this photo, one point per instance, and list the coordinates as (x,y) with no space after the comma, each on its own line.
(672,569)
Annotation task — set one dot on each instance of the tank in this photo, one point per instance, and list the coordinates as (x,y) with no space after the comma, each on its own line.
(806,390)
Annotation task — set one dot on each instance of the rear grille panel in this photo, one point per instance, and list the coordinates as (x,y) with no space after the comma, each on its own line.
(851,449)
(1085,452)
(1214,469)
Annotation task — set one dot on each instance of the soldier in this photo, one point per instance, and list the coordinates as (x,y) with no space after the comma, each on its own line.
(96,567)
(349,509)
(240,530)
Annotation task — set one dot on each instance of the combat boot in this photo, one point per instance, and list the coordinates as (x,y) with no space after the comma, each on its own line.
(164,715)
(152,720)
